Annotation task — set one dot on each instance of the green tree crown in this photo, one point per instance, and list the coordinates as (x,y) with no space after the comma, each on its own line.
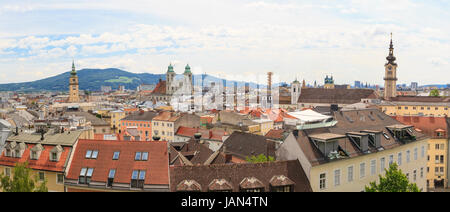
(22,181)
(393,181)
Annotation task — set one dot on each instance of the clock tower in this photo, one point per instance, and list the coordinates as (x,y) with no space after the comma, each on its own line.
(74,95)
(390,75)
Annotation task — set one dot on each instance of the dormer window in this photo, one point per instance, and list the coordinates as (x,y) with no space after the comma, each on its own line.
(55,153)
(36,152)
(34,155)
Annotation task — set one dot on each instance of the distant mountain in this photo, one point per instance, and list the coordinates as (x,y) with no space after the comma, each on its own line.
(93,79)
(90,79)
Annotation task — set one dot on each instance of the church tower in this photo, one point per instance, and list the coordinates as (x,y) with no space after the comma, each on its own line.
(295,92)
(390,79)
(170,76)
(74,95)
(188,76)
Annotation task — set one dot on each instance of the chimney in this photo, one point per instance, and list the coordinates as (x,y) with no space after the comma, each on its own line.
(42,135)
(228,158)
(197,136)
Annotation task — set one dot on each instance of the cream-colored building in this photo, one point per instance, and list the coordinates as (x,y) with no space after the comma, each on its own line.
(116,116)
(437,129)
(163,126)
(356,150)
(434,109)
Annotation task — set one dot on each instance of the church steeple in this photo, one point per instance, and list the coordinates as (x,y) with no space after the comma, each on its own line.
(391,58)
(74,72)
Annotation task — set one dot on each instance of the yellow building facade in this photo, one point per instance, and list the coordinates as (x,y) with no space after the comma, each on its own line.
(437,163)
(353,174)
(55,180)
(413,109)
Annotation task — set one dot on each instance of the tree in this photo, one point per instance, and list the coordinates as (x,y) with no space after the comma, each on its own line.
(394,181)
(259,159)
(22,181)
(434,92)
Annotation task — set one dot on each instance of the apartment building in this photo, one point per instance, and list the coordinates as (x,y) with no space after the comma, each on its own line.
(355,151)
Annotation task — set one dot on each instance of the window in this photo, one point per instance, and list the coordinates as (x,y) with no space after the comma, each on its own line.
(362,170)
(373,167)
(8,172)
(141,156)
(116,155)
(391,159)
(350,174)
(322,181)
(415,153)
(59,178)
(436,158)
(414,175)
(111,175)
(382,164)
(422,151)
(92,154)
(138,156)
(88,153)
(41,176)
(386,136)
(337,177)
(34,155)
(399,159)
(441,159)
(145,156)
(54,156)
(421,172)
(276,189)
(436,146)
(85,175)
(137,179)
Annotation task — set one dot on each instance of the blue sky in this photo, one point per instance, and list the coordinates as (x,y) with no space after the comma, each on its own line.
(235,39)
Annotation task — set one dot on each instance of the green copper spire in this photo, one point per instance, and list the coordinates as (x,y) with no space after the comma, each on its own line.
(187,69)
(74,72)
(170,68)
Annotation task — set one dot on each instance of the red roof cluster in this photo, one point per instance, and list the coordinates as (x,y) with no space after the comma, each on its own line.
(156,167)
(426,125)
(42,163)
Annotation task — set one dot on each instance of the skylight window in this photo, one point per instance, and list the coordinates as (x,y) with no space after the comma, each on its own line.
(85,175)
(116,155)
(92,154)
(138,156)
(145,156)
(88,154)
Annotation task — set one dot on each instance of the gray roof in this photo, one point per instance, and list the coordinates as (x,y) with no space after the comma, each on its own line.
(64,139)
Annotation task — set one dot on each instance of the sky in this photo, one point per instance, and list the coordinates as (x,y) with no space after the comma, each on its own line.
(234,39)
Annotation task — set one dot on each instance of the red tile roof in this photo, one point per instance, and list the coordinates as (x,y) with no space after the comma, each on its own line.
(42,163)
(160,88)
(426,125)
(157,165)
